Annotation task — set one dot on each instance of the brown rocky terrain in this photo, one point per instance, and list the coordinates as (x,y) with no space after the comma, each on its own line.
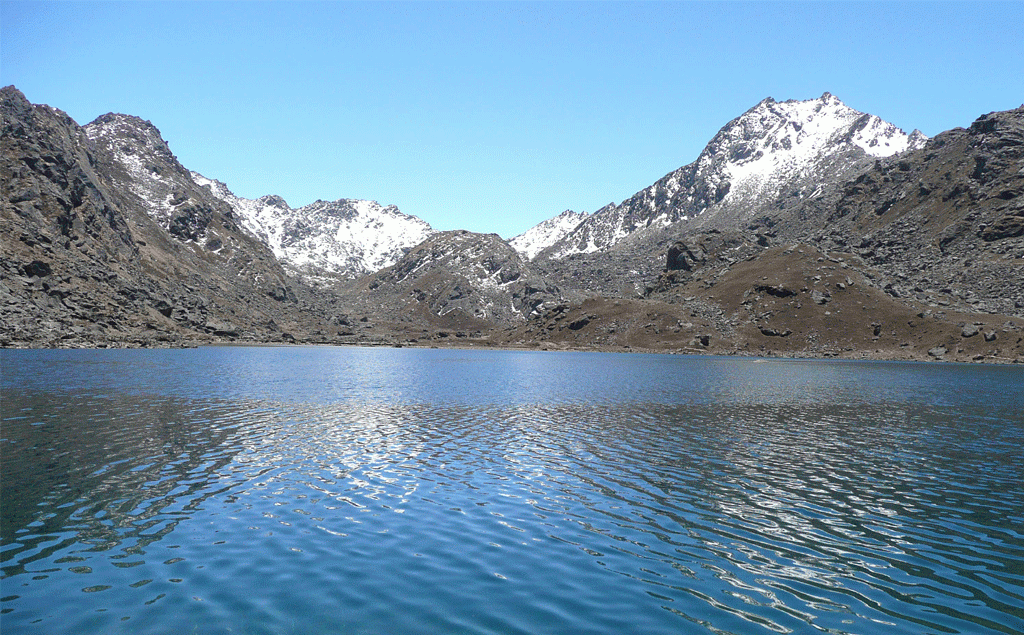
(791,301)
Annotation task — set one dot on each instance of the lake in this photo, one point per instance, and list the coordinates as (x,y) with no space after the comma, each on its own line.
(392,491)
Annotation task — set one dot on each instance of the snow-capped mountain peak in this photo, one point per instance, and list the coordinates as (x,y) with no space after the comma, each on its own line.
(543,235)
(771,148)
(774,141)
(346,237)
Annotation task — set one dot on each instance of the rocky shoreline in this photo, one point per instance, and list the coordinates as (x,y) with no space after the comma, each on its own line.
(936,354)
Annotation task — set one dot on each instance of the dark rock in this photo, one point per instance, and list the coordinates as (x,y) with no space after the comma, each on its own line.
(37,268)
(685,257)
(777,290)
(580,323)
(163,307)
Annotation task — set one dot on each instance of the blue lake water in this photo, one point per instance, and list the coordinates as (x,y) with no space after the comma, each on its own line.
(392,491)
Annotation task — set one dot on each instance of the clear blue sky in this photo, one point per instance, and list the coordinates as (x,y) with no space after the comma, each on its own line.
(492,116)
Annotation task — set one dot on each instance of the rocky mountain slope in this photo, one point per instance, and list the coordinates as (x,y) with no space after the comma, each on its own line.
(918,256)
(347,237)
(945,223)
(456,281)
(107,240)
(773,156)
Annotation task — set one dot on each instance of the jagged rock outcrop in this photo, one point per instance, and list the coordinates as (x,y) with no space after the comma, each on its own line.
(685,256)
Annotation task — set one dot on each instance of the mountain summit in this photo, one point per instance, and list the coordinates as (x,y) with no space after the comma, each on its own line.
(774,149)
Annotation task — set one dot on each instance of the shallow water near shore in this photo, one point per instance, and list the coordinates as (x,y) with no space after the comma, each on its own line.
(372,490)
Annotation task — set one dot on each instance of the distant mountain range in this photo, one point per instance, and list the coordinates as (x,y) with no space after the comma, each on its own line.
(109,240)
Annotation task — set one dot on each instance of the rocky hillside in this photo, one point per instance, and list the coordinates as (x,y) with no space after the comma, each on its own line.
(918,256)
(944,223)
(347,237)
(794,301)
(107,239)
(457,280)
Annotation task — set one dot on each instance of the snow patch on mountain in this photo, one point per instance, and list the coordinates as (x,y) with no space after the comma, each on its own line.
(264,217)
(543,235)
(347,237)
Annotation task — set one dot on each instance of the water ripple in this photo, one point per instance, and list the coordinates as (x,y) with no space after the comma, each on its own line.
(401,506)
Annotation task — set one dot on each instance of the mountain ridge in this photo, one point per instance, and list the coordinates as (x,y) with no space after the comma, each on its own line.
(848,240)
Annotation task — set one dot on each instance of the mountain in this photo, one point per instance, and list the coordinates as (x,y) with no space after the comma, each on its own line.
(944,222)
(458,280)
(106,240)
(347,237)
(546,233)
(916,256)
(772,156)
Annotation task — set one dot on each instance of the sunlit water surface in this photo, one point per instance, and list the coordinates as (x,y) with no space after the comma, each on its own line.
(348,490)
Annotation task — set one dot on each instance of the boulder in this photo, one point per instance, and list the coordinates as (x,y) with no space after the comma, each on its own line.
(685,257)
